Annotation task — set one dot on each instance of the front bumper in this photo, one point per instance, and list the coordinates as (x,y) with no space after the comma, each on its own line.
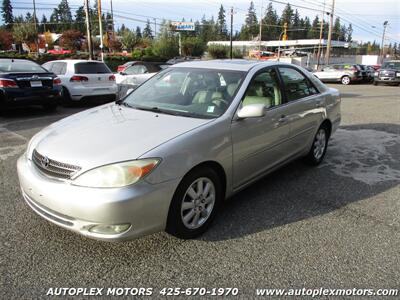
(143,205)
(391,80)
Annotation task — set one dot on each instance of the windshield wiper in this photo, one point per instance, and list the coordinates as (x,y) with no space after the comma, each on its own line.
(155,109)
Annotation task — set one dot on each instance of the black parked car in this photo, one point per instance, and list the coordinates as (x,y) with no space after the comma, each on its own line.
(23,83)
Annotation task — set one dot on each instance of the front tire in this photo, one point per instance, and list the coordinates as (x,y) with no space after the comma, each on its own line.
(319,146)
(345,80)
(195,203)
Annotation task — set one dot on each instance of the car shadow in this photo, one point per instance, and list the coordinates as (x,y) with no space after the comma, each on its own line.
(297,191)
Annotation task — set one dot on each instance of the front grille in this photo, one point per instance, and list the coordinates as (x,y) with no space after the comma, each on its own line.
(386,74)
(54,168)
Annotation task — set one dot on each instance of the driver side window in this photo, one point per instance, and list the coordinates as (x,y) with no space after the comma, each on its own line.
(263,89)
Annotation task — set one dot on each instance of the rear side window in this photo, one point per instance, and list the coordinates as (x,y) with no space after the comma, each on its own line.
(59,68)
(296,85)
(10,65)
(91,68)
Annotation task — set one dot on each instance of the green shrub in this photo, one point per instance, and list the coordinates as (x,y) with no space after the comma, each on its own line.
(218,51)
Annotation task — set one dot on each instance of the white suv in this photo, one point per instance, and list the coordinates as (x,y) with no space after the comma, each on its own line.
(84,80)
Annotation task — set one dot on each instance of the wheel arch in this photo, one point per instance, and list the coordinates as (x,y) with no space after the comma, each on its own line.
(217,167)
(328,125)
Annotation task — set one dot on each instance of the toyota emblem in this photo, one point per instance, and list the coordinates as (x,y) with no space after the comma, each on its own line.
(45,162)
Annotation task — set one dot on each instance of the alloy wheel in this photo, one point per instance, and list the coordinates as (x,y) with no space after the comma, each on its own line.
(319,144)
(198,203)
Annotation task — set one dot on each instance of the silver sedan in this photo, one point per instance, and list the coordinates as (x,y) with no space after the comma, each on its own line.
(168,154)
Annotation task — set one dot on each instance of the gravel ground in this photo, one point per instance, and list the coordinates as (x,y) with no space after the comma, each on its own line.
(334,226)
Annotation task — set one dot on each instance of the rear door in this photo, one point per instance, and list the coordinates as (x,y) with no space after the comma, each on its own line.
(98,74)
(305,108)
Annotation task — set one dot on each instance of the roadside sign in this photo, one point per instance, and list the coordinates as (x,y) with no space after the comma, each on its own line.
(182,26)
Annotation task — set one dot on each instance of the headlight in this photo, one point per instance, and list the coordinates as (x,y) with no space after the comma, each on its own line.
(398,74)
(117,175)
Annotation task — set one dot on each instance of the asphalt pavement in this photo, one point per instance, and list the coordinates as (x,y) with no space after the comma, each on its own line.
(333,226)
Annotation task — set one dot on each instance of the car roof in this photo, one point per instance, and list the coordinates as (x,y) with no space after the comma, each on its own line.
(15,59)
(224,64)
(75,61)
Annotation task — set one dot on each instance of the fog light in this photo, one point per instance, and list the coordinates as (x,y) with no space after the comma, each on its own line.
(109,229)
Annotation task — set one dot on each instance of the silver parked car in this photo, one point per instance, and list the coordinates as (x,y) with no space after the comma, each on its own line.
(344,73)
(167,155)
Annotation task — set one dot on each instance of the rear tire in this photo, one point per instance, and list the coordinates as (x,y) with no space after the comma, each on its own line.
(345,80)
(319,146)
(194,204)
(375,83)
(66,97)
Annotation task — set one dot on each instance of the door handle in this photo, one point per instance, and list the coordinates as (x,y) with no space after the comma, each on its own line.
(282,119)
(318,104)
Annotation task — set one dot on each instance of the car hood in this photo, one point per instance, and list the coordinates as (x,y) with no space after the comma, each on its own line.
(108,134)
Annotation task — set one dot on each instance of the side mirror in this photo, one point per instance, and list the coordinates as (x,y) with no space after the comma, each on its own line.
(251,111)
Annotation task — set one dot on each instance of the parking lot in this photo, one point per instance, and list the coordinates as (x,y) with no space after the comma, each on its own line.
(334,226)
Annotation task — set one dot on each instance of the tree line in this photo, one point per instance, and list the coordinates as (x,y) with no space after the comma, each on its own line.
(19,29)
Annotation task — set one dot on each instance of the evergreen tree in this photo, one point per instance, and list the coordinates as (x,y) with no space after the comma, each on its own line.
(250,27)
(7,13)
(62,15)
(349,35)
(43,26)
(315,28)
(296,25)
(80,18)
(147,32)
(287,15)
(270,31)
(222,31)
(306,34)
(336,30)
(138,32)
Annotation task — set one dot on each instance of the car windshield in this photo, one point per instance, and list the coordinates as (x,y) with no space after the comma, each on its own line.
(192,92)
(391,65)
(10,65)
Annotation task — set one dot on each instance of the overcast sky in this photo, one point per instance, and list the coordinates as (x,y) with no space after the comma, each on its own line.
(367,16)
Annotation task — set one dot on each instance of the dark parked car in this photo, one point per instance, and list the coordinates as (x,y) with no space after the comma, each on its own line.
(389,73)
(150,67)
(179,59)
(23,83)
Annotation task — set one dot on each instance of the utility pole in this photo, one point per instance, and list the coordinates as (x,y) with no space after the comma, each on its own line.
(112,16)
(328,48)
(260,34)
(101,28)
(231,47)
(382,52)
(320,36)
(36,31)
(88,30)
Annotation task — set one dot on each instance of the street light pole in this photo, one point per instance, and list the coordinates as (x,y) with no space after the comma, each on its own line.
(328,47)
(279,45)
(260,34)
(382,52)
(88,30)
(36,31)
(101,28)
(230,38)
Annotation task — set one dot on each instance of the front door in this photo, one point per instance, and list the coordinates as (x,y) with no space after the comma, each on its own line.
(260,143)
